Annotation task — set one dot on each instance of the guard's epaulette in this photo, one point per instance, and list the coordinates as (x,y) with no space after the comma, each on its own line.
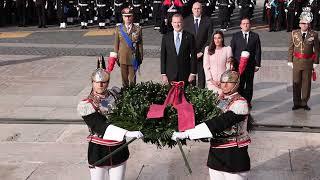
(137,24)
(85,108)
(118,24)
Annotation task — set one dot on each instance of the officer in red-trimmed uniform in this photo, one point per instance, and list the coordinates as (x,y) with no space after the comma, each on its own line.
(104,137)
(228,156)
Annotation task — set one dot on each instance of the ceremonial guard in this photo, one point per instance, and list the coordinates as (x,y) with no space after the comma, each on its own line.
(137,6)
(315,9)
(303,57)
(62,16)
(118,6)
(156,13)
(84,13)
(91,12)
(2,12)
(228,155)
(223,7)
(128,45)
(21,12)
(291,12)
(104,137)
(41,12)
(231,8)
(101,11)
(169,8)
(273,12)
(246,8)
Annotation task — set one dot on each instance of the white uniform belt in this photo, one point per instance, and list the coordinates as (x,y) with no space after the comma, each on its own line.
(82,4)
(136,5)
(157,2)
(118,4)
(70,1)
(101,5)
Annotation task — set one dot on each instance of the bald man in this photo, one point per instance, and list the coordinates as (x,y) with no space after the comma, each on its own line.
(201,27)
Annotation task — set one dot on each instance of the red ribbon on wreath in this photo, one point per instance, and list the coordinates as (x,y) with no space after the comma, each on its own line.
(186,119)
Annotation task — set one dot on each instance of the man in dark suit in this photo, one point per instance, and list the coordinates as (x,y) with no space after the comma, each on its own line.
(201,27)
(178,54)
(246,40)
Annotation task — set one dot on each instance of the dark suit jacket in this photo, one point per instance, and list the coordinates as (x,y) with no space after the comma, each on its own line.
(238,44)
(178,67)
(203,37)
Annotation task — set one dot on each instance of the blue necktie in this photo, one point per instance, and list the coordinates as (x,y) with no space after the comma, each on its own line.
(196,25)
(177,43)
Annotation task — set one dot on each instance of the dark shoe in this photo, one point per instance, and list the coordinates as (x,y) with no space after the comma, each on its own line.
(82,27)
(295,107)
(85,27)
(44,26)
(39,26)
(307,108)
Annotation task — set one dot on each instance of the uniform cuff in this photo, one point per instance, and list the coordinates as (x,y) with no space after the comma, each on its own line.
(200,131)
(114,133)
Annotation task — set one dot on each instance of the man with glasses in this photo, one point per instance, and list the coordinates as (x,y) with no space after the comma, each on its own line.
(129,47)
(303,58)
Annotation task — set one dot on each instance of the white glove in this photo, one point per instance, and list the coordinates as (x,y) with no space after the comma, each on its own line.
(315,65)
(290,64)
(46,6)
(250,5)
(295,13)
(319,12)
(286,10)
(55,7)
(132,134)
(229,6)
(240,7)
(216,7)
(179,135)
(34,0)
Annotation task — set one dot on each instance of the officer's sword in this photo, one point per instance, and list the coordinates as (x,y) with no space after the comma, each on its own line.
(184,157)
(97,163)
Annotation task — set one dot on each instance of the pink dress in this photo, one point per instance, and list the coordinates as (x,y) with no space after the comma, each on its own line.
(214,65)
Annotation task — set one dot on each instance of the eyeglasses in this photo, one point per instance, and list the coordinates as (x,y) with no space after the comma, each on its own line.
(128,16)
(303,23)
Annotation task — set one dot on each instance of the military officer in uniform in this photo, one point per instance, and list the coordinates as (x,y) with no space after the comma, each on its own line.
(41,12)
(223,7)
(137,6)
(2,17)
(273,15)
(128,45)
(246,8)
(62,16)
(104,137)
(302,58)
(102,10)
(84,13)
(21,12)
(156,13)
(315,9)
(291,12)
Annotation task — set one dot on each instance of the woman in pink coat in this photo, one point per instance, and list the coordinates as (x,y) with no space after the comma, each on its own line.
(215,61)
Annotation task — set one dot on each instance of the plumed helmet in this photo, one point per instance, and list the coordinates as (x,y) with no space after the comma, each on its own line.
(306,15)
(100,74)
(230,77)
